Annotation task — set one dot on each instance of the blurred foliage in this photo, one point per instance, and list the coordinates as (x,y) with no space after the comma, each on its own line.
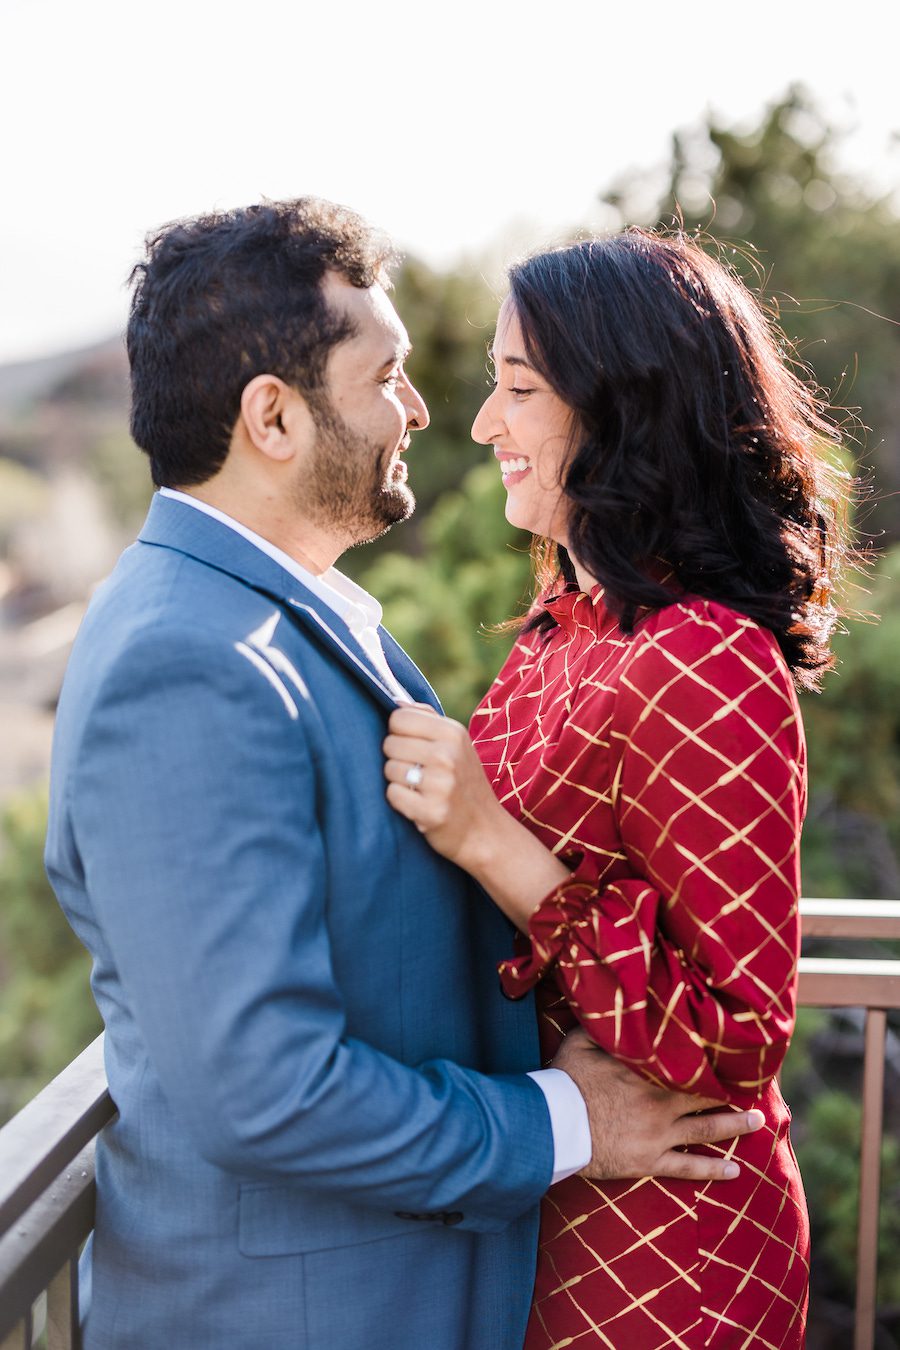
(822,1080)
(47,1014)
(856,719)
(450,318)
(23,495)
(797,1080)
(820,246)
(116,464)
(829,1161)
(443,606)
(852,836)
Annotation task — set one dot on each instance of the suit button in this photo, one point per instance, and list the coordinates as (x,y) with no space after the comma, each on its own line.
(451,1219)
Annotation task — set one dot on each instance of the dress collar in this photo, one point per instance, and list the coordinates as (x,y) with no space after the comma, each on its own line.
(579,612)
(586,613)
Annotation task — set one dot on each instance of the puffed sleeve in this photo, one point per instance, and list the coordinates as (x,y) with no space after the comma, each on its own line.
(686,969)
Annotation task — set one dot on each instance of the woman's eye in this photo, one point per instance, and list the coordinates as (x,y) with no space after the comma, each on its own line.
(514,390)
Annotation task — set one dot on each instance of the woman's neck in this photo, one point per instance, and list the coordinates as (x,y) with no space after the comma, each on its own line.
(585,581)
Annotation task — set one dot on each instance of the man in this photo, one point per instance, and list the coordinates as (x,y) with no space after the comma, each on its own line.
(327,1135)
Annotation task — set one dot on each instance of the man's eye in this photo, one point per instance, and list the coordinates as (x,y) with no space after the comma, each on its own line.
(392,379)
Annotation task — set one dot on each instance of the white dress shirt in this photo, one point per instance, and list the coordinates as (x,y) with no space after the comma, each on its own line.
(362,614)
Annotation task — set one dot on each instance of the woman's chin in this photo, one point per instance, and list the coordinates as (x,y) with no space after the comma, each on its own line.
(530,520)
(519,518)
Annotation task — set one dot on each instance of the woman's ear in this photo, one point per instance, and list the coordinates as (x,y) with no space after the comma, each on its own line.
(276,417)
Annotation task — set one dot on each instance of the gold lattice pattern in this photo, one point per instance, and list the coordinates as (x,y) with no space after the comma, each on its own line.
(668,769)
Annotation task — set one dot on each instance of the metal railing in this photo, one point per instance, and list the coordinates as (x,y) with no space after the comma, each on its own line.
(838,982)
(47,1150)
(47,1202)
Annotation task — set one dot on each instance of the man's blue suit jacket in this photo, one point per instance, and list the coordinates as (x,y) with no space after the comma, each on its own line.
(325,1137)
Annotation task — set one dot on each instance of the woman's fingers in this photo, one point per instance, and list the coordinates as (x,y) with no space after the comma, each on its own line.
(423,801)
(433,777)
(415,720)
(408,802)
(411,750)
(396,770)
(405,801)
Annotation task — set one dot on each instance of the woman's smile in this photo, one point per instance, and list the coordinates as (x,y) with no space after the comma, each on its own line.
(512,468)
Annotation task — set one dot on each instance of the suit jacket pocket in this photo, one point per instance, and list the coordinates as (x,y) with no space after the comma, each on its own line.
(287,1221)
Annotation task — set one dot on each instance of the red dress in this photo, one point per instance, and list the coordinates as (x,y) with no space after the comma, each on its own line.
(668,769)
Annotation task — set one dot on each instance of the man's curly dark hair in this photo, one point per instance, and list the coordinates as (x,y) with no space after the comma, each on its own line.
(223,297)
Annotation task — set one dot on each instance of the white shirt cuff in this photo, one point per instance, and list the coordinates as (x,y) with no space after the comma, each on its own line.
(568,1121)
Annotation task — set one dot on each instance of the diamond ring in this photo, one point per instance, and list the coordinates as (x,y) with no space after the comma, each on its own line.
(414,775)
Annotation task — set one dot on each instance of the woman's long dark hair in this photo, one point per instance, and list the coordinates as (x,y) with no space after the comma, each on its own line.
(697,444)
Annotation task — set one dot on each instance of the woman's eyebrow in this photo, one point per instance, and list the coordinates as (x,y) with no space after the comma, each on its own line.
(510,360)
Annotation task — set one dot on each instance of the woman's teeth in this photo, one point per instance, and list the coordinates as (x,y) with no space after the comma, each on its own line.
(508,466)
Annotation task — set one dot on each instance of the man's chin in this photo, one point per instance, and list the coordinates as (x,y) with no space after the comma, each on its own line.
(394,505)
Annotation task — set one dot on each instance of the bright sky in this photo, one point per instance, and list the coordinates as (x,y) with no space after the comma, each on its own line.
(458,128)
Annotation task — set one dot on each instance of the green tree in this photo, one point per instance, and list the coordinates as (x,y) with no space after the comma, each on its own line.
(829,1161)
(819,244)
(47,1014)
(450,318)
(852,835)
(444,607)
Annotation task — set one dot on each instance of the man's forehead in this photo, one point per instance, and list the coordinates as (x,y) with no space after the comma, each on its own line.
(370,310)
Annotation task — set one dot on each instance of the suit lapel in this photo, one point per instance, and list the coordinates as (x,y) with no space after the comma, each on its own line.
(312,616)
(174,524)
(407,673)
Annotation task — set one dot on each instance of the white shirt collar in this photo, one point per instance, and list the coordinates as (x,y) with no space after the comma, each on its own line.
(350,602)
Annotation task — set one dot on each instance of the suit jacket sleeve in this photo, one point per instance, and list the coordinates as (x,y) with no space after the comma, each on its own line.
(194,808)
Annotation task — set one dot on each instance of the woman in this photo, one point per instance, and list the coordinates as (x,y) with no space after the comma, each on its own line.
(635,795)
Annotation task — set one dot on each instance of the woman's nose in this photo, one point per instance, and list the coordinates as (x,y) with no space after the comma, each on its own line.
(485,426)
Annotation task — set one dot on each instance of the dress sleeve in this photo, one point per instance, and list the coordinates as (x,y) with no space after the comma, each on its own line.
(686,969)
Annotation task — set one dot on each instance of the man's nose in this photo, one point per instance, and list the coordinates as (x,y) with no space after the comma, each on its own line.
(417,418)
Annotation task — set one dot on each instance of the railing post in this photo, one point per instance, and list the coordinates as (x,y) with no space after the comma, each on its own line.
(870,1178)
(62,1308)
(20,1336)
(47,1203)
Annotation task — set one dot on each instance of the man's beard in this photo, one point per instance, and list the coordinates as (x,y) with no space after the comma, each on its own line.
(348,488)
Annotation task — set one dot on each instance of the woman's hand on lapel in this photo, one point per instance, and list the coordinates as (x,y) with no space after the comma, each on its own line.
(436,780)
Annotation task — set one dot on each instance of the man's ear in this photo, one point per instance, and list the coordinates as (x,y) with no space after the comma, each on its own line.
(276,418)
